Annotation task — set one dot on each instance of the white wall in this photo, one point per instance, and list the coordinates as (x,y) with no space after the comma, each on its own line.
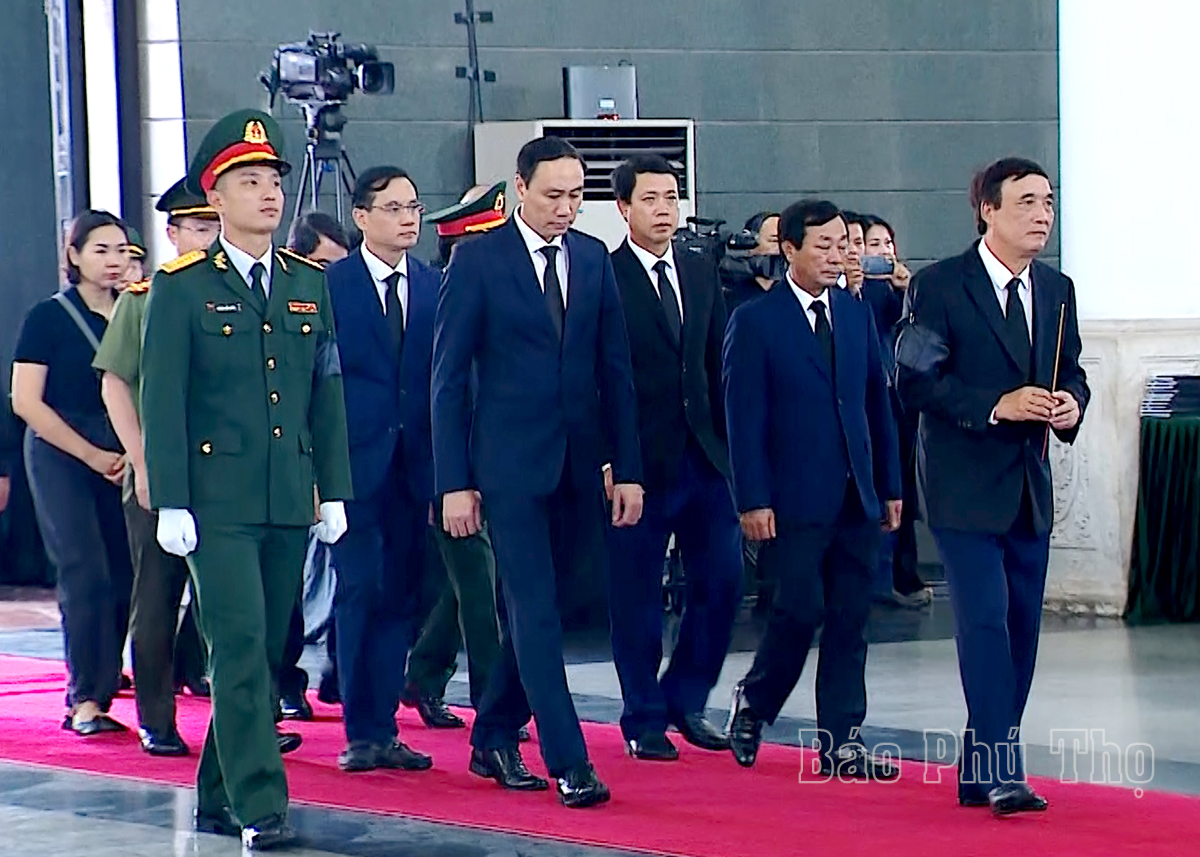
(1129,138)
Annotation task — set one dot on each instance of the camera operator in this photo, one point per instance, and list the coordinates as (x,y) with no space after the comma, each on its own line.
(749,276)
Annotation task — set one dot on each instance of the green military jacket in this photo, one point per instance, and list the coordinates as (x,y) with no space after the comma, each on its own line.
(242,404)
(120,351)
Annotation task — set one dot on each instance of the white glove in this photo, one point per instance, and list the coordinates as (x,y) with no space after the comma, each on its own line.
(332,525)
(176,531)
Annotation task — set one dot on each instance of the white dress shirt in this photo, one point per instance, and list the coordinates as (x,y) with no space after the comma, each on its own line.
(242,263)
(649,260)
(1000,276)
(380,271)
(535,243)
(807,300)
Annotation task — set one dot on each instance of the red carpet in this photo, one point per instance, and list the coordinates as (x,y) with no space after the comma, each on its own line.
(703,805)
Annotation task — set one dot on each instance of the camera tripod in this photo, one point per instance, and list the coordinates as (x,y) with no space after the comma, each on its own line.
(323,153)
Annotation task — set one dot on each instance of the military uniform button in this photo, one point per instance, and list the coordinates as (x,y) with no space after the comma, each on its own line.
(306,328)
(227,329)
(206,448)
(274,398)
(270,362)
(277,431)
(266,327)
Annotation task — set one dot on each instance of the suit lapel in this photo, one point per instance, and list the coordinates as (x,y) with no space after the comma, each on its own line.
(983,293)
(525,278)
(847,344)
(368,301)
(797,319)
(640,281)
(1045,325)
(576,294)
(281,275)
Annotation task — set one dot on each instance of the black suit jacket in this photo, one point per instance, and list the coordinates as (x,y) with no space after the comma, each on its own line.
(678,387)
(954,365)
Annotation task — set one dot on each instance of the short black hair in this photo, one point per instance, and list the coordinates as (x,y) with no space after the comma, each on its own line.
(544,149)
(854,218)
(870,220)
(84,224)
(624,177)
(306,233)
(755,222)
(797,217)
(985,186)
(373,180)
(176,219)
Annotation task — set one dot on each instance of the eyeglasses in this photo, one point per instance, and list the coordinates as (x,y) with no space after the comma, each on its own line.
(416,209)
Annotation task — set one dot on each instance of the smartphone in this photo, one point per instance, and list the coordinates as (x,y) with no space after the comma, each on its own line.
(877,266)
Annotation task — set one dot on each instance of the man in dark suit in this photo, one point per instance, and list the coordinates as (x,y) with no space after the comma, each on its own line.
(534,308)
(977,360)
(815,470)
(675,316)
(383,302)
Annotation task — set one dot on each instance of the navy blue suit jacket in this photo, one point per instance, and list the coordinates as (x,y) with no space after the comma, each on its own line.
(386,401)
(795,432)
(534,393)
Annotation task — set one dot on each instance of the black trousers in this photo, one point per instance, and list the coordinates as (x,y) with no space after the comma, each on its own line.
(292,680)
(905,578)
(158,582)
(822,576)
(530,673)
(82,525)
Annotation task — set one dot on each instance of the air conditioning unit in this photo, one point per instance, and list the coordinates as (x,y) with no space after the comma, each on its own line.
(604,144)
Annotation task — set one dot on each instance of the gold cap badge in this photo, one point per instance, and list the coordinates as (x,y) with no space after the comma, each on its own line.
(255,132)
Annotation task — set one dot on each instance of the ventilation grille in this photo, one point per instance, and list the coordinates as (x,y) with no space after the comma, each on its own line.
(604,147)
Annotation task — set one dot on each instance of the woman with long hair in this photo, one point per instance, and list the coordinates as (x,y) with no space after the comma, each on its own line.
(75,464)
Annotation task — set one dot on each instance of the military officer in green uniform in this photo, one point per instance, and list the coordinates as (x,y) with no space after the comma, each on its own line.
(243,413)
(158,577)
(463,581)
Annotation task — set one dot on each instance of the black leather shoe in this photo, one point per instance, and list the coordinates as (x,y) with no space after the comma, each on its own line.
(162,743)
(436,715)
(358,756)
(295,707)
(398,756)
(507,768)
(288,741)
(652,747)
(268,834)
(327,690)
(745,729)
(698,732)
(125,682)
(196,687)
(853,762)
(1015,797)
(523,734)
(98,724)
(580,787)
(219,822)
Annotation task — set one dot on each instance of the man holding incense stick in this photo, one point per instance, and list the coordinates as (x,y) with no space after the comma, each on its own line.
(989,358)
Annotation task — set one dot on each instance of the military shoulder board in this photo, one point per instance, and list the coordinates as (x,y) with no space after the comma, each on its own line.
(292,254)
(184,261)
(140,287)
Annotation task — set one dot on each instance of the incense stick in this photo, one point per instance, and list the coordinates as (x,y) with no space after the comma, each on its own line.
(1062,311)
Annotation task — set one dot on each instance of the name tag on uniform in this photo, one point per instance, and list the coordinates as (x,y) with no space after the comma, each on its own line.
(302,307)
(216,307)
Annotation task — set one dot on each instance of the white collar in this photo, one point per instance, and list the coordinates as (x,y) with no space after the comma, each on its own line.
(807,300)
(381,270)
(998,271)
(532,240)
(242,261)
(649,260)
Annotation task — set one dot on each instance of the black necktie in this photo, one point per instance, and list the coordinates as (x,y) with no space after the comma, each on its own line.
(823,331)
(670,304)
(1014,319)
(553,289)
(257,272)
(395,315)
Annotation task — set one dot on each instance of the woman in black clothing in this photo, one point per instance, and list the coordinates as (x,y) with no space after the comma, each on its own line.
(75,465)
